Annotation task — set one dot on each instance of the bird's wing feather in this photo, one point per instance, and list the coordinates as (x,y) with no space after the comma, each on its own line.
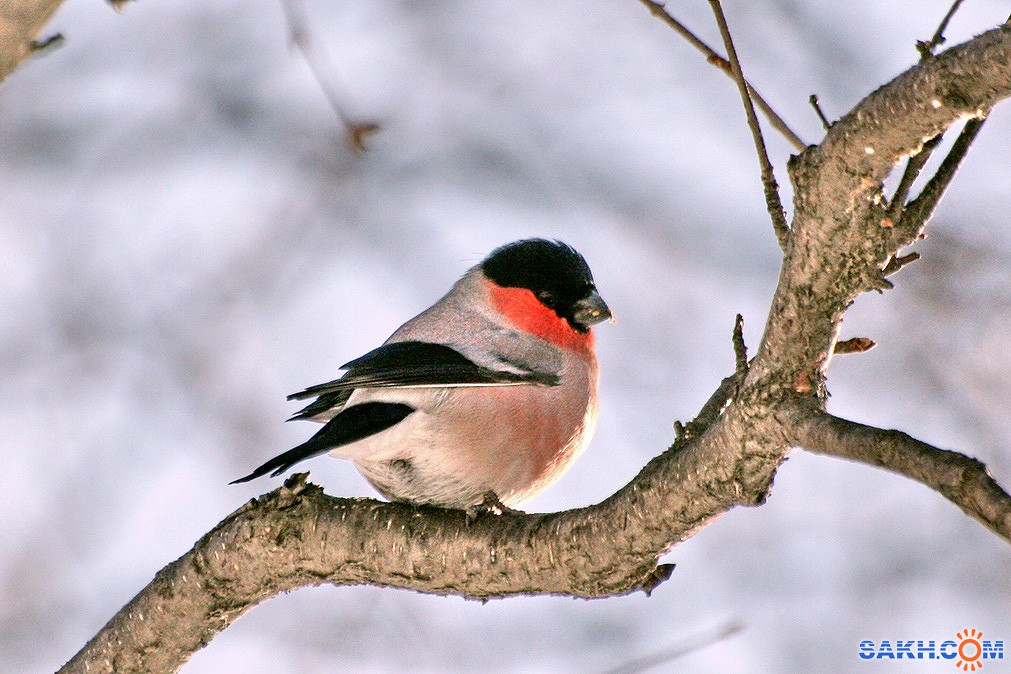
(419,364)
(354,423)
(327,402)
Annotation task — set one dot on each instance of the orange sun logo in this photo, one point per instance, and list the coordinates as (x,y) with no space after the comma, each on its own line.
(969,650)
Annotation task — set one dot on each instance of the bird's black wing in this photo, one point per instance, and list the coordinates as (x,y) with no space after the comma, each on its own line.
(400,364)
(423,364)
(354,423)
(326,402)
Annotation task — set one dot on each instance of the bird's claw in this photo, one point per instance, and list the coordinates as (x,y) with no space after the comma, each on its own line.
(490,505)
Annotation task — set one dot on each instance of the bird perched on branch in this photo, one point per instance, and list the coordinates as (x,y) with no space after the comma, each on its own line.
(489,393)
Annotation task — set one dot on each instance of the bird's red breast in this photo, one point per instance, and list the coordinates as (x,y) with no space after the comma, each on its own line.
(525,312)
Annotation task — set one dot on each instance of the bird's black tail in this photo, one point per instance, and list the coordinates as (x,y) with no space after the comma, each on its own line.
(283,462)
(352,424)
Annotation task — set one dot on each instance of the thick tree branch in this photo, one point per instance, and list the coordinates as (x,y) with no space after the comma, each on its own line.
(297,536)
(962,480)
(20,23)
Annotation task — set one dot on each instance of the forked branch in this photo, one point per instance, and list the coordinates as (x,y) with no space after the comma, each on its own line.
(658,10)
(914,165)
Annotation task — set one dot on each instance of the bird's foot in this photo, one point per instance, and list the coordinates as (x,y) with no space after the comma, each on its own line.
(490,505)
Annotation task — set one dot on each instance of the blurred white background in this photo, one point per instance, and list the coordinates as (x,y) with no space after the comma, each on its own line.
(185,238)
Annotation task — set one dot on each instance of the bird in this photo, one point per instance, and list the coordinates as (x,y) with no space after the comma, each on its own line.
(490,393)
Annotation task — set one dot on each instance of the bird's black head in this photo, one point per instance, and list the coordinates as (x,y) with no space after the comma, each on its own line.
(556,274)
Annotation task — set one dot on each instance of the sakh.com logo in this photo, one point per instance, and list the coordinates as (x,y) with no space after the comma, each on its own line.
(969,651)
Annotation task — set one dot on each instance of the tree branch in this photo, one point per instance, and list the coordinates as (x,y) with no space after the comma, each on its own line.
(916,162)
(678,650)
(771,189)
(839,244)
(357,131)
(926,49)
(964,481)
(297,536)
(841,237)
(813,100)
(916,214)
(20,23)
(658,10)
(914,165)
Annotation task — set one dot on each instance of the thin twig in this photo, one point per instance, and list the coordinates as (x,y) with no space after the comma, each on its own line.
(914,165)
(357,130)
(772,200)
(813,100)
(926,49)
(896,263)
(922,207)
(680,649)
(658,10)
(964,481)
(916,162)
(49,43)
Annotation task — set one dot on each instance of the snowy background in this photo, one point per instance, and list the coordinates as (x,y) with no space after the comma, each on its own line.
(185,238)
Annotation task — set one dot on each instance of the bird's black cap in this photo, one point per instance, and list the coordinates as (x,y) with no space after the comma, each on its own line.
(554,271)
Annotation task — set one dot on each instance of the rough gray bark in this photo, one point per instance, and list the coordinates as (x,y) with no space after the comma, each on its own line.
(841,240)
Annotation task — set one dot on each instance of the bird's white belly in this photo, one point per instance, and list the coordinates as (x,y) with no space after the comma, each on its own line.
(461,443)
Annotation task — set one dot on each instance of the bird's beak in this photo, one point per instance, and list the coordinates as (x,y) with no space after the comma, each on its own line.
(591,310)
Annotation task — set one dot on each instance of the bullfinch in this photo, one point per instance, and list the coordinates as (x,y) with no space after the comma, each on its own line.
(490,392)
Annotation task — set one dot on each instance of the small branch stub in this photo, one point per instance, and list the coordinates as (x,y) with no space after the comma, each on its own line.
(813,100)
(926,49)
(898,262)
(661,574)
(740,349)
(854,345)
